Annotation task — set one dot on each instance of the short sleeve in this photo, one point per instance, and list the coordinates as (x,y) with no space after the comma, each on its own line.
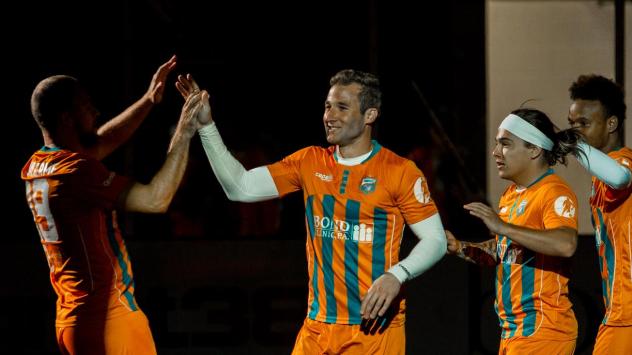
(413,195)
(286,172)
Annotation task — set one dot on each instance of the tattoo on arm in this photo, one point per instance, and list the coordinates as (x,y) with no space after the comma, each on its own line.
(483,253)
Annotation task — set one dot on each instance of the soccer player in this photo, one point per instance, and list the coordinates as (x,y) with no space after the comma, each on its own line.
(358,196)
(598,111)
(73,196)
(535,235)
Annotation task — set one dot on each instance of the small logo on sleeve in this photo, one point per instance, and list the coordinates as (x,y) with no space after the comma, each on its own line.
(564,207)
(420,194)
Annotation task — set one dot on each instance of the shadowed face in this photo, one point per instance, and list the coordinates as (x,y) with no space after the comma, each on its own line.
(84,116)
(588,117)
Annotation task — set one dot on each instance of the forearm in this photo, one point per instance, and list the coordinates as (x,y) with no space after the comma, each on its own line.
(554,242)
(604,167)
(428,251)
(483,253)
(120,128)
(238,184)
(156,196)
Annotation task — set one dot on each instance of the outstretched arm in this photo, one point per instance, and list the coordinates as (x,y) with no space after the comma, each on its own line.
(604,168)
(238,183)
(156,196)
(119,129)
(560,241)
(430,248)
(483,253)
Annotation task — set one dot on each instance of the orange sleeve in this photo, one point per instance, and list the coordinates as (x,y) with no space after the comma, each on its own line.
(286,173)
(560,208)
(413,196)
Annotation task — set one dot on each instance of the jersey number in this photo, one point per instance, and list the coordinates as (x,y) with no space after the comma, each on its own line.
(37,196)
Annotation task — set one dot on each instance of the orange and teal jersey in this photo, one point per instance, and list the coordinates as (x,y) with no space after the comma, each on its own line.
(532,288)
(612,219)
(355,217)
(72,197)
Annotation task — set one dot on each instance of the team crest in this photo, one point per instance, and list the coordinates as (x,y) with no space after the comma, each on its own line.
(521,208)
(368,185)
(564,207)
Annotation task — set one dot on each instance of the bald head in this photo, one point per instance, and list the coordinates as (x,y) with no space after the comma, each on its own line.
(52,97)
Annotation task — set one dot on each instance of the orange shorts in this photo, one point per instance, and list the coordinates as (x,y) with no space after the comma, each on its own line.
(613,340)
(531,345)
(128,334)
(324,338)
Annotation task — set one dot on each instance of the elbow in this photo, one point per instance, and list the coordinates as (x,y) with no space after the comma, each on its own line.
(569,248)
(160,205)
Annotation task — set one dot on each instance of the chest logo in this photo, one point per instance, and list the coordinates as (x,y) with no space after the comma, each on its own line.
(564,207)
(368,185)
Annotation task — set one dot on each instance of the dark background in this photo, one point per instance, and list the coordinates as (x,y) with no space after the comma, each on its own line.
(216,277)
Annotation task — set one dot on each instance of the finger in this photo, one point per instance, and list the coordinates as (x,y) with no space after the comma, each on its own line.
(367,304)
(377,306)
(168,65)
(186,83)
(183,91)
(194,85)
(384,308)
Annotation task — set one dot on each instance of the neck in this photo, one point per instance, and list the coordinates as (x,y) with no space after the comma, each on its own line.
(361,145)
(613,143)
(530,176)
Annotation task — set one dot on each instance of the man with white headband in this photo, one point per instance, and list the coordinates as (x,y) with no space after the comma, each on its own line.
(598,111)
(358,197)
(535,235)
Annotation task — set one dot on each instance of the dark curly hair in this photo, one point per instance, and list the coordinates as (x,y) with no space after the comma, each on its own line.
(606,91)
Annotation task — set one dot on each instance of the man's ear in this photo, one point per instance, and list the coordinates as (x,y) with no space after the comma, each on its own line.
(535,152)
(370,115)
(612,123)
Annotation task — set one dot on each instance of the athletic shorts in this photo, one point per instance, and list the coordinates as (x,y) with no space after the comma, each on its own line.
(324,338)
(532,345)
(613,340)
(128,334)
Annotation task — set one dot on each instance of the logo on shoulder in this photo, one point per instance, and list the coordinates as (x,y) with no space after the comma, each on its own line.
(625,162)
(108,181)
(521,207)
(324,177)
(564,207)
(368,185)
(420,194)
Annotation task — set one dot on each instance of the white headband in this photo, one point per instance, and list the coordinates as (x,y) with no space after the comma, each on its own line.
(526,131)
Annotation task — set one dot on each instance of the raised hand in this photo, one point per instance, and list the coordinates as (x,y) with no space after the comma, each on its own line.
(187,125)
(156,88)
(379,297)
(487,215)
(187,86)
(453,244)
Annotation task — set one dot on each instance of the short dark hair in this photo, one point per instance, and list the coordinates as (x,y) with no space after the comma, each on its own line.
(370,95)
(52,97)
(604,90)
(564,142)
